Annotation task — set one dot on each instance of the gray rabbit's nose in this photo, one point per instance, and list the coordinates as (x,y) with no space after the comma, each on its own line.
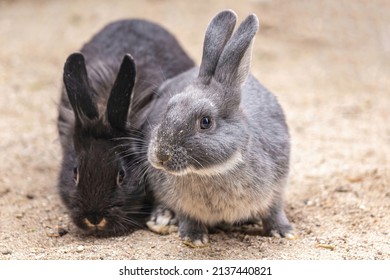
(163,157)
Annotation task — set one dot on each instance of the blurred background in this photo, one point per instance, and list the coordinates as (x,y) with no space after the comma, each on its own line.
(327,61)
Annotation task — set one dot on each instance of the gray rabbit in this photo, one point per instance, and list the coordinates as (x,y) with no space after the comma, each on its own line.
(100,181)
(219,147)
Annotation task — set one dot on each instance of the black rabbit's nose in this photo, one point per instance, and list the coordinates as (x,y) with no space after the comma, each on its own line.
(94,218)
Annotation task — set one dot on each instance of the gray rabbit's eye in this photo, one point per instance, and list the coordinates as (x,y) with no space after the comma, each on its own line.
(76,175)
(120,177)
(205,123)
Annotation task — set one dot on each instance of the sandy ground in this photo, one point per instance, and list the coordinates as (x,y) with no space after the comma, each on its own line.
(327,61)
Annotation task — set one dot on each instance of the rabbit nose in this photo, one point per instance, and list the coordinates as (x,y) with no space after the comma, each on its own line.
(163,157)
(94,218)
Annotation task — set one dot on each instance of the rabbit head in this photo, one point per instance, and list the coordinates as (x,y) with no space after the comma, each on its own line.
(204,130)
(96,182)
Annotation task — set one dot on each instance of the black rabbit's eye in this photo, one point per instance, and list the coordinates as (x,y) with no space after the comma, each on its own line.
(205,123)
(121,175)
(76,174)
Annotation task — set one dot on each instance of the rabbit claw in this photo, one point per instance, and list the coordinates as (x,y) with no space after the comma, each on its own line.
(196,241)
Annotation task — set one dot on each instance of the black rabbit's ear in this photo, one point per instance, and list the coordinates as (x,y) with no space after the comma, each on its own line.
(119,101)
(78,89)
(217,34)
(234,63)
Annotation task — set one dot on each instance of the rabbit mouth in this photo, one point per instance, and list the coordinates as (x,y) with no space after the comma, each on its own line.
(99,226)
(100,229)
(181,167)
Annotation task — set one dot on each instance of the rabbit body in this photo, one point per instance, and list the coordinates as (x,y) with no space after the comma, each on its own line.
(220,150)
(98,134)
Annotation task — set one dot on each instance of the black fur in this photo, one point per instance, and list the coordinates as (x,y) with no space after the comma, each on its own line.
(99,134)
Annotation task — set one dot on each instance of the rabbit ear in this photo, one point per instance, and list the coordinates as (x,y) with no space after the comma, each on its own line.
(78,89)
(119,101)
(218,33)
(234,62)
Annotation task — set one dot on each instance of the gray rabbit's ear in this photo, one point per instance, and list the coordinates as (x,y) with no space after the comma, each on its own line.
(234,63)
(218,33)
(78,89)
(119,101)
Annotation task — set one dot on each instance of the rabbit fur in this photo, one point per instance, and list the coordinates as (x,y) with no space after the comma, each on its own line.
(219,144)
(98,132)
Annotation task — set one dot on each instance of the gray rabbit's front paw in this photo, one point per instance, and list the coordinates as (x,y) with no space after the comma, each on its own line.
(193,234)
(162,220)
(285,231)
(276,224)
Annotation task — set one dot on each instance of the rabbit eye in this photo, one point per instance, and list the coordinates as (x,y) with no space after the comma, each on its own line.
(76,175)
(205,123)
(120,177)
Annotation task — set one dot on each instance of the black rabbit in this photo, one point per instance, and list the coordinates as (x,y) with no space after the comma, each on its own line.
(99,135)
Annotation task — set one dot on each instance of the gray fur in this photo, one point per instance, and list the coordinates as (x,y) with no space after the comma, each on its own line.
(235,171)
(220,30)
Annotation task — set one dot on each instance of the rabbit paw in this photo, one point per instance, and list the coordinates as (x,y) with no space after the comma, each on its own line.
(279,230)
(193,233)
(162,221)
(277,225)
(288,233)
(197,240)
